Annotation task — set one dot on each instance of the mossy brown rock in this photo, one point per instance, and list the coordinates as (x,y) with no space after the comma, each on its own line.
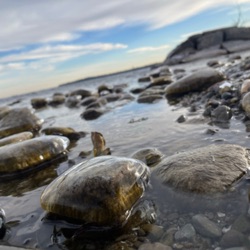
(199,80)
(27,154)
(206,170)
(101,191)
(19,120)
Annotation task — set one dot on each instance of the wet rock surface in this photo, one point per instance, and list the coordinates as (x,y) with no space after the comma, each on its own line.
(26,154)
(19,120)
(101,191)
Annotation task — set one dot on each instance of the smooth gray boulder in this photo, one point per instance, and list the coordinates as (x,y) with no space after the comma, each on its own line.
(196,81)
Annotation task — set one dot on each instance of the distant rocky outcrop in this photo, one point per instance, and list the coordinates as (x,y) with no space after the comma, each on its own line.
(211,43)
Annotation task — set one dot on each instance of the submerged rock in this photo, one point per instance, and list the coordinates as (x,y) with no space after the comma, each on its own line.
(27,154)
(205,170)
(197,81)
(101,191)
(18,120)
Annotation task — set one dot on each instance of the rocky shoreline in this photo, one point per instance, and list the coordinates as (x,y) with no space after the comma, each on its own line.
(211,183)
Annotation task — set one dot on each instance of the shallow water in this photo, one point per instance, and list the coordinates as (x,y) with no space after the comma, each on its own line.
(126,128)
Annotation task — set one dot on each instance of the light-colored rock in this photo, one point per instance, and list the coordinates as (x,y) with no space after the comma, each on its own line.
(209,169)
(245,87)
(185,233)
(245,103)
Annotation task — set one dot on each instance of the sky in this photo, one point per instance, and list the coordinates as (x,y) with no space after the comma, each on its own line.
(47,43)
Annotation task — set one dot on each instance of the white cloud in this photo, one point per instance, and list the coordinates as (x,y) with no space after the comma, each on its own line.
(148,49)
(58,53)
(25,22)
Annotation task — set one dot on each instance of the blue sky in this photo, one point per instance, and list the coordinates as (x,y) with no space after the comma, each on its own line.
(47,43)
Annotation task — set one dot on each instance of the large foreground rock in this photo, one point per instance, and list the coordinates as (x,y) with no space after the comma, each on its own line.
(198,80)
(204,170)
(101,191)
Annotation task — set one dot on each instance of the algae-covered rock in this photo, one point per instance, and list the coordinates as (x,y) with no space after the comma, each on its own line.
(27,154)
(101,191)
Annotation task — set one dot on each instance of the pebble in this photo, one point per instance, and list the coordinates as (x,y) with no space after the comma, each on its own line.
(232,238)
(185,233)
(154,246)
(206,227)
(154,231)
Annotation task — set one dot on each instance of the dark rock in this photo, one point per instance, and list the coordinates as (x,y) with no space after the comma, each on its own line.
(237,33)
(88,100)
(137,90)
(181,119)
(81,92)
(209,39)
(38,103)
(213,63)
(144,79)
(226,96)
(210,131)
(233,238)
(242,224)
(221,114)
(112,97)
(199,80)
(149,98)
(91,114)
(103,89)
